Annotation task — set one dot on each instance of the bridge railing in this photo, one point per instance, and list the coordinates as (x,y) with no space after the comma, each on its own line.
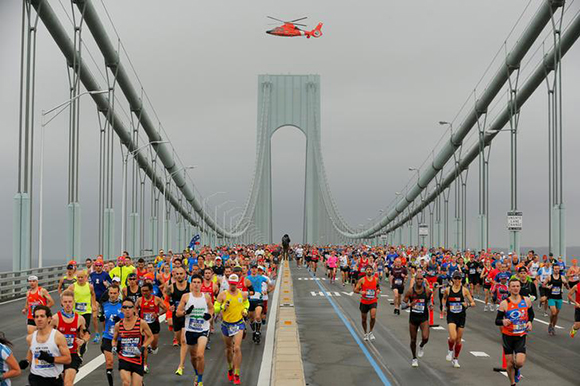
(13,285)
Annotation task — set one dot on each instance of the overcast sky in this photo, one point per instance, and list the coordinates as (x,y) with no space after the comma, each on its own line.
(389,71)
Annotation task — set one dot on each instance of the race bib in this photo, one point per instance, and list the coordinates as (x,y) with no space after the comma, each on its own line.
(130,347)
(196,324)
(81,307)
(70,340)
(370,294)
(111,330)
(149,317)
(398,281)
(519,328)
(40,364)
(419,307)
(472,271)
(233,329)
(455,307)
(556,290)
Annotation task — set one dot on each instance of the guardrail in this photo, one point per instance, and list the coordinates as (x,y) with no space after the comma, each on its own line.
(13,285)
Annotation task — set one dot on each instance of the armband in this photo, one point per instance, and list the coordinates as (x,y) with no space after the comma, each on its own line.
(217,307)
(531,314)
(499,318)
(246,304)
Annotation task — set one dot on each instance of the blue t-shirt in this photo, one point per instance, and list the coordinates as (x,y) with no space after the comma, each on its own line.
(98,281)
(501,275)
(111,310)
(257,285)
(4,368)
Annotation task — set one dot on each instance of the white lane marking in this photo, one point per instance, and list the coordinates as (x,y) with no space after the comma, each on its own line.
(97,362)
(479,354)
(348,293)
(264,378)
(438,328)
(535,319)
(329,294)
(311,278)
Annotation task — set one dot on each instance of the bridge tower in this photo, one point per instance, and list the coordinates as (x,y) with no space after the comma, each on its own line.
(289,100)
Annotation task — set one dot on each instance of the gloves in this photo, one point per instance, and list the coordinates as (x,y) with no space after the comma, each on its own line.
(206,316)
(189,310)
(114,350)
(45,356)
(23,364)
(532,298)
(404,306)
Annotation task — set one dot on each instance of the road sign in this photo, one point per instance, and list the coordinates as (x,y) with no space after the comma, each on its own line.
(423,230)
(514,221)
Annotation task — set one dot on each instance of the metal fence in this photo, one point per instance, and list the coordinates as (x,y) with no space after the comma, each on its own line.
(13,285)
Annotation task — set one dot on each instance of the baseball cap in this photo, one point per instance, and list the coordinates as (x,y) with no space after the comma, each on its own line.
(117,279)
(233,279)
(218,258)
(32,278)
(72,262)
(99,262)
(260,267)
(121,258)
(456,275)
(254,266)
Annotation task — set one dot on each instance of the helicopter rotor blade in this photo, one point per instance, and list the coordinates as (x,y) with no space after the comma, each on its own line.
(273,18)
(302,18)
(301,25)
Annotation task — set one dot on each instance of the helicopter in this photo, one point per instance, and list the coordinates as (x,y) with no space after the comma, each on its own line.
(290,29)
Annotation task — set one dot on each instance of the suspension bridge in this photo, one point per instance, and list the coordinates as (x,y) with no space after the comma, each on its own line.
(161,207)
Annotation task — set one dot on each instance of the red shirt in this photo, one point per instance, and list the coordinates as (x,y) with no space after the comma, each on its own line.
(69,330)
(371,290)
(35,299)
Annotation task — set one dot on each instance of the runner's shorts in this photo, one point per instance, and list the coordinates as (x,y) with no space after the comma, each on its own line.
(577,315)
(155,327)
(344,269)
(555,303)
(514,344)
(254,304)
(106,345)
(544,292)
(191,337)
(231,329)
(417,320)
(400,288)
(75,362)
(131,367)
(36,380)
(474,279)
(457,319)
(364,308)
(178,323)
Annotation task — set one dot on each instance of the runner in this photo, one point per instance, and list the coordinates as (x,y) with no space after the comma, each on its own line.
(8,366)
(176,292)
(515,316)
(35,296)
(132,337)
(100,281)
(132,290)
(332,263)
(454,305)
(544,273)
(369,289)
(150,307)
(487,283)
(574,298)
(47,351)
(69,278)
(112,313)
(72,326)
(197,308)
(418,297)
(85,301)
(343,261)
(555,284)
(257,302)
(397,276)
(234,304)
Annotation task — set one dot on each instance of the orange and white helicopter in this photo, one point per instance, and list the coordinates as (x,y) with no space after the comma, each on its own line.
(290,29)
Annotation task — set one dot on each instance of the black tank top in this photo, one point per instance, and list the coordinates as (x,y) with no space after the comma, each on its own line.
(133,295)
(455,301)
(556,290)
(177,294)
(419,304)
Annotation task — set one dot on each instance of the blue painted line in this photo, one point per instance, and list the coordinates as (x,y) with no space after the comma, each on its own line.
(349,327)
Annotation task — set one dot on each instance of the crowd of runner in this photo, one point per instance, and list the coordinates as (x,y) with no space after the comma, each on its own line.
(123,305)
(507,284)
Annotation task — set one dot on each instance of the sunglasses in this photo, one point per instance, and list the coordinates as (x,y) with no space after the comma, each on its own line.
(127,307)
(132,278)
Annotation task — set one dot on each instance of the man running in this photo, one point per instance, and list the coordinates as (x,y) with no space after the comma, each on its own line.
(515,316)
(257,302)
(397,276)
(234,304)
(47,351)
(35,296)
(285,246)
(418,297)
(454,305)
(112,313)
(197,308)
(100,280)
(176,292)
(131,338)
(574,298)
(132,290)
(150,307)
(72,326)
(369,288)
(554,283)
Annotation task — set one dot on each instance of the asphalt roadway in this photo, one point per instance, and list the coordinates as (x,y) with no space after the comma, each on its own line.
(333,356)
(162,365)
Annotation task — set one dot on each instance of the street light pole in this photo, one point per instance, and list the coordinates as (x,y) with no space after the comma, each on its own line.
(164,230)
(43,124)
(204,203)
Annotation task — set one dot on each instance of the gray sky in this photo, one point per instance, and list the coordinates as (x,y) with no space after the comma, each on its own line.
(389,71)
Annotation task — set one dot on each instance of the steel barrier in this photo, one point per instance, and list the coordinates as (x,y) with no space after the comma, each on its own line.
(13,285)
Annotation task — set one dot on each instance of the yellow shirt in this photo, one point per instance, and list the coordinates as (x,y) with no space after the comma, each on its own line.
(83,303)
(233,313)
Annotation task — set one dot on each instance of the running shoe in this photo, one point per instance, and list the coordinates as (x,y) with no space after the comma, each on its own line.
(96,340)
(485,308)
(175,342)
(237,380)
(517,375)
(371,336)
(420,352)
(366,337)
(449,356)
(230,375)
(415,363)
(155,350)
(573,332)
(441,315)
(455,363)
(179,371)
(550,330)
(146,369)
(545,313)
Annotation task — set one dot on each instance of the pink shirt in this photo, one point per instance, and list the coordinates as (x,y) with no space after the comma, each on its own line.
(332,261)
